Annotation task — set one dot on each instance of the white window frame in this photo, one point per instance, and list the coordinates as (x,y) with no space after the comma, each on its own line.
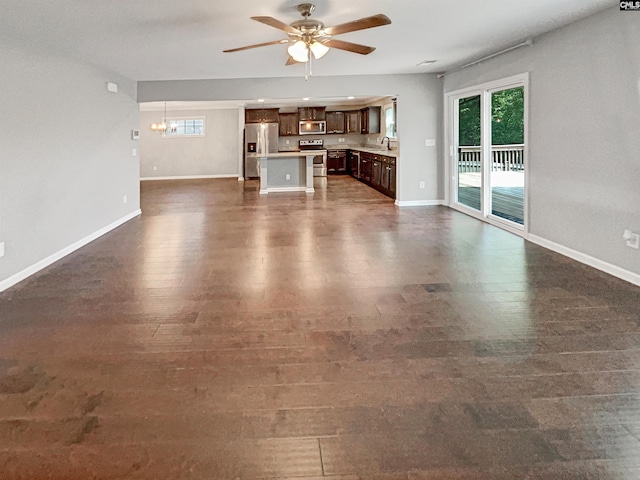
(485,90)
(384,118)
(168,121)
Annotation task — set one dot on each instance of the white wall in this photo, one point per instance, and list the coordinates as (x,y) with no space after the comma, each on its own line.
(584,162)
(215,154)
(419,113)
(65,155)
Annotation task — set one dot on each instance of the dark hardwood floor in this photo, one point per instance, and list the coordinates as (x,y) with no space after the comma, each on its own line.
(227,335)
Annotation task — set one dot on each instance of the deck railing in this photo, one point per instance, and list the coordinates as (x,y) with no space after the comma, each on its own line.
(504,158)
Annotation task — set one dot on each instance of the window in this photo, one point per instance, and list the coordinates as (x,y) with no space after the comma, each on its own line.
(390,120)
(185,127)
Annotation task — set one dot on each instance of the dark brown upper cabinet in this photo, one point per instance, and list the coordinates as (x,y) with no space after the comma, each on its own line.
(311,113)
(288,124)
(261,115)
(370,120)
(335,122)
(353,121)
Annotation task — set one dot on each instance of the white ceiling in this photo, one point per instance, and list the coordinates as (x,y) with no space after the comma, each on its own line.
(184,39)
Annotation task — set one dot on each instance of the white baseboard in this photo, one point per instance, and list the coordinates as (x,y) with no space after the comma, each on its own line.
(419,203)
(286,189)
(27,272)
(189,177)
(601,265)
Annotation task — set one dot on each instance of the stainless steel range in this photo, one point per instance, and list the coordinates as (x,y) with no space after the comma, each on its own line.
(320,160)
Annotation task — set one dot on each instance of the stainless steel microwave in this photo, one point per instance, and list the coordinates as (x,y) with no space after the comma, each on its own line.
(313,127)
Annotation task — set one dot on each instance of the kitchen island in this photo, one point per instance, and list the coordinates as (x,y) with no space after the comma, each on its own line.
(285,172)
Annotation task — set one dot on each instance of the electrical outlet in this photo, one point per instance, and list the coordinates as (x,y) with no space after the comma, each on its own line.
(124,199)
(155,168)
(340,140)
(134,152)
(287,176)
(421,184)
(286,142)
(1,249)
(633,239)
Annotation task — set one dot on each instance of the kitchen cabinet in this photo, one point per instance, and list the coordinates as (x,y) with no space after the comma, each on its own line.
(365,166)
(384,172)
(352,121)
(288,124)
(376,171)
(392,178)
(335,122)
(370,120)
(336,161)
(311,113)
(261,115)
(387,184)
(353,159)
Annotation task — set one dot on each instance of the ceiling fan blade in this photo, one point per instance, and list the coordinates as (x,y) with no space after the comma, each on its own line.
(272,22)
(275,42)
(348,46)
(362,24)
(290,61)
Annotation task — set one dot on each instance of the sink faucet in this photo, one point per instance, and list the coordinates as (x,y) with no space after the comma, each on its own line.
(388,142)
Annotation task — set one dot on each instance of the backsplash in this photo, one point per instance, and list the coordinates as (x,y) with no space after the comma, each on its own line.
(330,139)
(333,140)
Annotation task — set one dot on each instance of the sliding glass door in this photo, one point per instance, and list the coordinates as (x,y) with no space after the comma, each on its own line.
(469,152)
(487,142)
(507,154)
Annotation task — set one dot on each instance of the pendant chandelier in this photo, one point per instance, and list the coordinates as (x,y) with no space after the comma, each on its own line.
(162,126)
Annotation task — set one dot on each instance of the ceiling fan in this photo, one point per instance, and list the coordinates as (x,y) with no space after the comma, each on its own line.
(310,35)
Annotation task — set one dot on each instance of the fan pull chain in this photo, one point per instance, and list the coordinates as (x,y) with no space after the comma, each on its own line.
(307,67)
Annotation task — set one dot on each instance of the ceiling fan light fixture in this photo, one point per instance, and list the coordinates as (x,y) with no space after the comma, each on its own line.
(299,51)
(318,49)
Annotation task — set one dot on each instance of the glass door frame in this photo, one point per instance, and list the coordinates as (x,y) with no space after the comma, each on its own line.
(485,91)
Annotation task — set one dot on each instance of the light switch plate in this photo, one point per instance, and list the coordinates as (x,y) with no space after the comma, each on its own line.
(1,249)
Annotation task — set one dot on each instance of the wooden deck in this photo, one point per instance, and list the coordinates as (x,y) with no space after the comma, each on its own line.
(506,202)
(507,195)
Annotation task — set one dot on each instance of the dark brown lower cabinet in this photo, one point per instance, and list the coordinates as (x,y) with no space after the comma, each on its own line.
(377,171)
(384,172)
(365,167)
(392,178)
(353,163)
(336,161)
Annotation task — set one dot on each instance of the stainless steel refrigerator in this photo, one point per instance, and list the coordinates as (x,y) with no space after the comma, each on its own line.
(260,139)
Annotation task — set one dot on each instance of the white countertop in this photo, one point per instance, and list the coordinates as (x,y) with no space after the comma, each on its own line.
(378,151)
(287,154)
